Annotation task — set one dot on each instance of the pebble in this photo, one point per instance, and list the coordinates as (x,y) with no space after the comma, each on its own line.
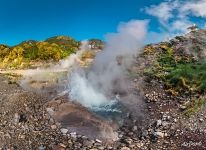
(159,134)
(62,145)
(158,123)
(109,147)
(99,141)
(134,128)
(22,136)
(73,134)
(120,135)
(182,107)
(53,127)
(64,131)
(42,147)
(101,148)
(16,118)
(50,111)
(125,148)
(201,120)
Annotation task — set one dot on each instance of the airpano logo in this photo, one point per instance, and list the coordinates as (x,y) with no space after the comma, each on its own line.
(192,144)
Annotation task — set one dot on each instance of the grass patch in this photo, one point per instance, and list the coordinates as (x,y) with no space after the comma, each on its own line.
(194,106)
(178,72)
(191,76)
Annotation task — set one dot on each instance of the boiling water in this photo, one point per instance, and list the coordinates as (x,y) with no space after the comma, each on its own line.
(113,111)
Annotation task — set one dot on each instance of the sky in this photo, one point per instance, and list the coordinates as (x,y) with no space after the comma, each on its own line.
(85,19)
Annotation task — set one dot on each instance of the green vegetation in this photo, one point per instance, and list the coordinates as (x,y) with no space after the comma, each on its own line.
(96,44)
(179,72)
(25,53)
(4,51)
(191,76)
(194,106)
(149,50)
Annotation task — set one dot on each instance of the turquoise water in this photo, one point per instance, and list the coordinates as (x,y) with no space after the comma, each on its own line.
(113,111)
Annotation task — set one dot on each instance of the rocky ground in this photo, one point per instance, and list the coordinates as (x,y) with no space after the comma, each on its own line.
(35,120)
(28,121)
(32,121)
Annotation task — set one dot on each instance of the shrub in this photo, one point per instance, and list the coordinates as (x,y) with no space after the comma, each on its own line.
(25,53)
(179,72)
(193,75)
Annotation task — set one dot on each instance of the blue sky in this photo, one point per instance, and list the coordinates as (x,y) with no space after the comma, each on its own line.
(84,19)
(81,19)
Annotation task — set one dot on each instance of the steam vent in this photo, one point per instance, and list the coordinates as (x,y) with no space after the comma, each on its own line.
(103,75)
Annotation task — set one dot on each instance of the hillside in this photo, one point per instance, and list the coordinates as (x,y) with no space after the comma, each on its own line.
(179,63)
(29,53)
(171,75)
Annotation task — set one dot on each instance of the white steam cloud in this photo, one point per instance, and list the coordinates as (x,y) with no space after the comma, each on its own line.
(94,87)
(35,79)
(73,59)
(84,92)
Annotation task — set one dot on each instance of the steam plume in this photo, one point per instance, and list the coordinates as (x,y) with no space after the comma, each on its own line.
(94,88)
(52,73)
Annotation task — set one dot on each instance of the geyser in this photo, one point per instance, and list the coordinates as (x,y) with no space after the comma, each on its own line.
(97,86)
(84,93)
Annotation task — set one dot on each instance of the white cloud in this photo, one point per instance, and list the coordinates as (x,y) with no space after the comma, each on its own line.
(196,8)
(163,11)
(175,15)
(180,26)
